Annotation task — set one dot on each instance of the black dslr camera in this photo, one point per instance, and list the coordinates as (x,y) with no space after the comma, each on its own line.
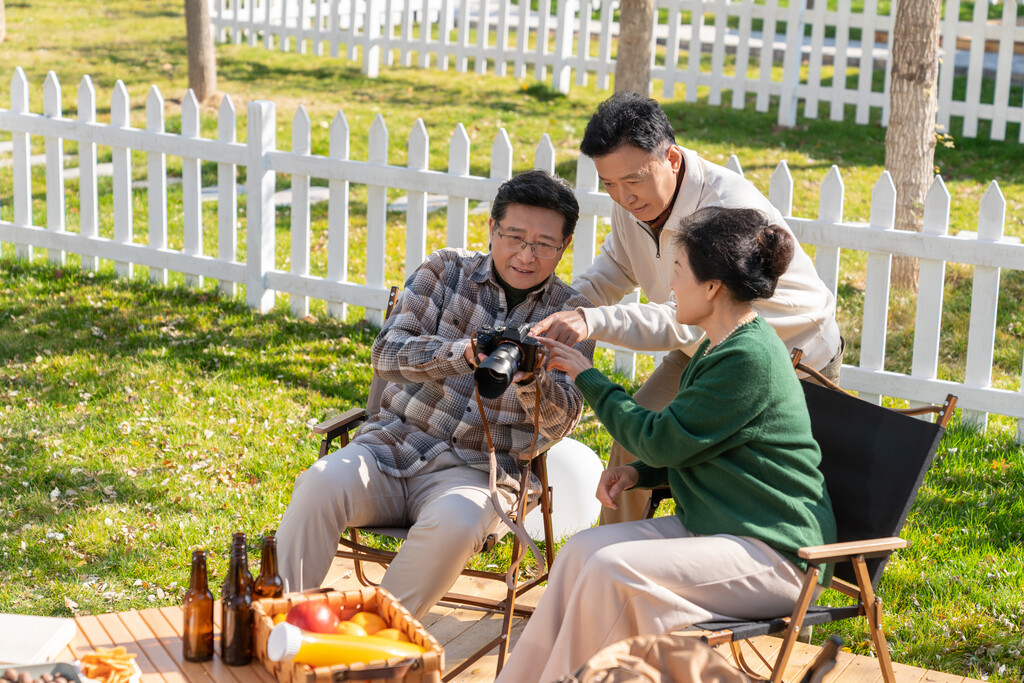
(508,348)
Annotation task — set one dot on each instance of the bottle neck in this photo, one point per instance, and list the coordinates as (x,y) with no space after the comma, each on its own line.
(268,558)
(199,575)
(236,571)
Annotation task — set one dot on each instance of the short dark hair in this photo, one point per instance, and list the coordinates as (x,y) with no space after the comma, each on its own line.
(627,118)
(742,248)
(538,188)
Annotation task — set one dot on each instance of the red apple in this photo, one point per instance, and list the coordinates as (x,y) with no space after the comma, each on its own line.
(313,615)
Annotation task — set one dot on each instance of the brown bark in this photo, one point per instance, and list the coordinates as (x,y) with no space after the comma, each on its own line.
(202,61)
(910,139)
(633,60)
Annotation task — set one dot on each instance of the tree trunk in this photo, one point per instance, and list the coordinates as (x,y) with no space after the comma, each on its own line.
(202,62)
(910,139)
(633,60)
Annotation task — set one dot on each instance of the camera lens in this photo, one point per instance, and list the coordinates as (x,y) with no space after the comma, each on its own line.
(495,372)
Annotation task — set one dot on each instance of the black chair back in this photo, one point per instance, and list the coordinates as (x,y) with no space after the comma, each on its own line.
(874,460)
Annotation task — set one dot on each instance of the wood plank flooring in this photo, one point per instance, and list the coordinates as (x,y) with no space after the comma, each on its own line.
(461,631)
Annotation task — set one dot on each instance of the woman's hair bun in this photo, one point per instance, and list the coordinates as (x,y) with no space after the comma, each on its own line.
(776,250)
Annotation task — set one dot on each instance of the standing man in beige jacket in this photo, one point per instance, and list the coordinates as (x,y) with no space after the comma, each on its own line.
(654,183)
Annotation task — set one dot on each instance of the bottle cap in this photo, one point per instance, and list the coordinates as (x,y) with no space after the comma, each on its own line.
(284,642)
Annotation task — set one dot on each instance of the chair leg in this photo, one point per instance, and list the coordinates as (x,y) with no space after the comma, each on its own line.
(510,604)
(357,565)
(873,608)
(741,661)
(796,620)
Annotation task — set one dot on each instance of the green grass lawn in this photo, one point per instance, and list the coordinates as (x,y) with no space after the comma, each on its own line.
(139,422)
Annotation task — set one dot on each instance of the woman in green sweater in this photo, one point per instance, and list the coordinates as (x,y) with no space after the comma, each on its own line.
(735,448)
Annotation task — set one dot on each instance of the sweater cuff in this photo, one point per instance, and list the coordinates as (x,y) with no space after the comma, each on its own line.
(650,477)
(590,382)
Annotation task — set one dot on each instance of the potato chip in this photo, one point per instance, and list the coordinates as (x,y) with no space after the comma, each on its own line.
(108,665)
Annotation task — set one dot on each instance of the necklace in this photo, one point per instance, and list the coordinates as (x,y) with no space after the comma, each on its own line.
(746,319)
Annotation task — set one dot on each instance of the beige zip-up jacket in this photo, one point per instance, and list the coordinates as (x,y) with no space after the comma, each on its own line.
(802,311)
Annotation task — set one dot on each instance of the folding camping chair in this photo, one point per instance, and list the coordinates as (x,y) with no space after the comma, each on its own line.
(353,547)
(874,460)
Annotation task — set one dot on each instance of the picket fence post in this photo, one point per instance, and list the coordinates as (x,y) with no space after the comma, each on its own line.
(261,140)
(584,245)
(830,210)
(227,194)
(416,211)
(501,156)
(780,188)
(88,195)
(876,283)
(371,38)
(458,207)
(930,287)
(984,302)
(191,187)
(120,109)
(156,172)
(54,147)
(544,156)
(21,163)
(300,222)
(560,73)
(376,217)
(337,214)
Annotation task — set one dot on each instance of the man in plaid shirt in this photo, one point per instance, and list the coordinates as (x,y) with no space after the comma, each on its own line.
(422,460)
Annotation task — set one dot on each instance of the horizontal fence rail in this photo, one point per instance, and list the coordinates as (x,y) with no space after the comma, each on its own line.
(826,56)
(987,250)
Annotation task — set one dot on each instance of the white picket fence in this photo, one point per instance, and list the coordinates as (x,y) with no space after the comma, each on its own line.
(988,251)
(575,36)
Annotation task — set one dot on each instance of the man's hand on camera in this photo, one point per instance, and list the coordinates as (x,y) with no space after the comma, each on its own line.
(568,327)
(473,362)
(522,377)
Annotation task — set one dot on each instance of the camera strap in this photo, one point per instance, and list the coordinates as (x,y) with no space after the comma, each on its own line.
(517,527)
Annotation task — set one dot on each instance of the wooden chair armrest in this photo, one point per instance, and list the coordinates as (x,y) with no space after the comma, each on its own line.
(342,422)
(835,552)
(525,457)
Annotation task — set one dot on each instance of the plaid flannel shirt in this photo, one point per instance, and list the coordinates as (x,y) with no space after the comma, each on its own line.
(429,405)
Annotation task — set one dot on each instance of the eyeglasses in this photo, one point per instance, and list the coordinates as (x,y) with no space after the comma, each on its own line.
(540,249)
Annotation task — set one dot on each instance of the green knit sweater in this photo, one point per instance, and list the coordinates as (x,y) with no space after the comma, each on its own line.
(734,445)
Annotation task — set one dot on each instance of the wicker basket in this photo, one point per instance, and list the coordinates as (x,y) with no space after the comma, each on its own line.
(426,668)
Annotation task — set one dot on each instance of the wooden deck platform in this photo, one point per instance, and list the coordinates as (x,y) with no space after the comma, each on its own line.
(155,635)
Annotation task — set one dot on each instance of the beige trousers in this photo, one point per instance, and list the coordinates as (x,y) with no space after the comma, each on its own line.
(653,576)
(655,394)
(447,504)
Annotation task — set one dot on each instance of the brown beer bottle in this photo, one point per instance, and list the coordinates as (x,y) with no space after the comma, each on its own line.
(197,638)
(238,541)
(269,583)
(236,637)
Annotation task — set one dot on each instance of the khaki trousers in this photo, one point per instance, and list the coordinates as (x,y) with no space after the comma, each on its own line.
(655,394)
(613,582)
(447,504)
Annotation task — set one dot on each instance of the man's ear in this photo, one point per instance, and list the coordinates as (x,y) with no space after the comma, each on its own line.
(675,157)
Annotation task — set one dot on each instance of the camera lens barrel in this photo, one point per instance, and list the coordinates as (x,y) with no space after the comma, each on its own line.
(494,375)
